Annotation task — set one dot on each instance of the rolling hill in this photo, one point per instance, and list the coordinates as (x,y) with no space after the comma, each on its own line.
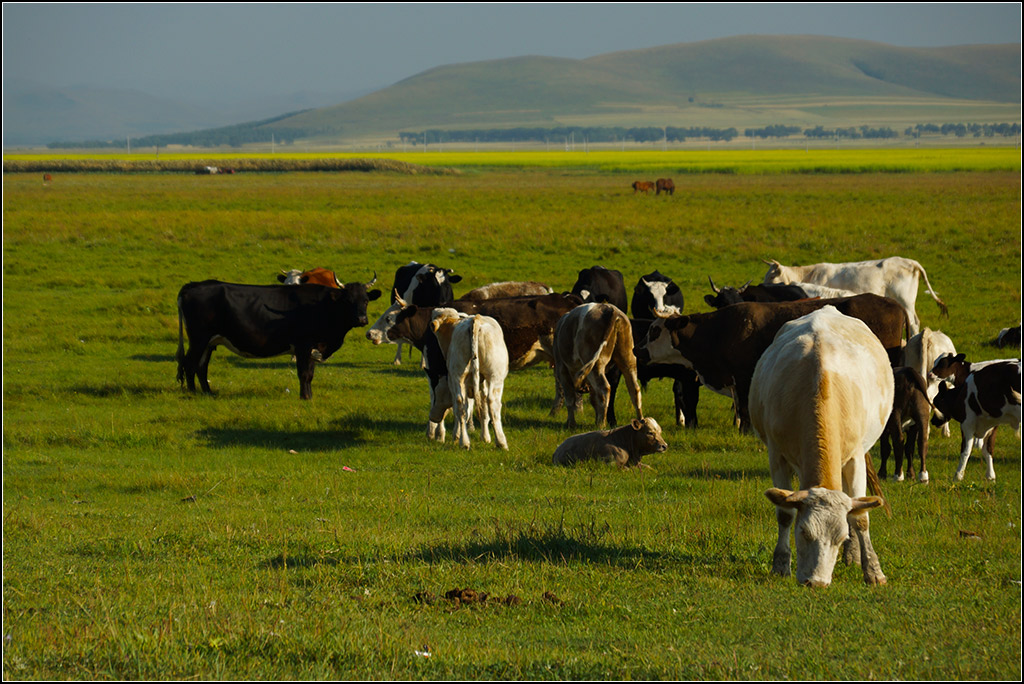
(741,81)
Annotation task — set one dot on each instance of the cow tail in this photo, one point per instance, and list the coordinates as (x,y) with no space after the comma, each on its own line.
(875,485)
(474,362)
(180,355)
(928,288)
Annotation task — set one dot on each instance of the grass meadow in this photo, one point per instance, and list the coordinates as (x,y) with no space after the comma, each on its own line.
(149,534)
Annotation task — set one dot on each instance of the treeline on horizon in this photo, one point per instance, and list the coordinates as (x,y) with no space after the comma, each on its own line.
(242,134)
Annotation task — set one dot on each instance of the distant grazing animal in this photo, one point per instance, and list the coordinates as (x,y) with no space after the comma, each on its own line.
(506,289)
(894,277)
(723,346)
(910,408)
(656,295)
(47,178)
(820,398)
(260,321)
(642,186)
(316,276)
(587,340)
(985,396)
(415,283)
(664,185)
(207,171)
(477,367)
(1008,337)
(624,446)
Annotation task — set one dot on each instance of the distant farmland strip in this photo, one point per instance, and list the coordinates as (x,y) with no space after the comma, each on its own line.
(242,164)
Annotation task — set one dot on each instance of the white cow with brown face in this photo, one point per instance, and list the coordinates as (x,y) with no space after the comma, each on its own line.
(895,277)
(820,397)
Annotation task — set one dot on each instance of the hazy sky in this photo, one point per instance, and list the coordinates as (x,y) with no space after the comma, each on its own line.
(203,51)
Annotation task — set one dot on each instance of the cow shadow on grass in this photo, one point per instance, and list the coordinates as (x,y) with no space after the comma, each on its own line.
(155,358)
(107,390)
(303,441)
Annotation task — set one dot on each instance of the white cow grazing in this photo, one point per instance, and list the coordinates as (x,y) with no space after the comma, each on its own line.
(895,277)
(921,352)
(820,397)
(477,358)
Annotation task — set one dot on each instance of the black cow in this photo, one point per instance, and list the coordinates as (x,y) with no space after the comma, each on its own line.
(910,409)
(656,294)
(599,284)
(415,283)
(723,346)
(724,296)
(259,321)
(685,383)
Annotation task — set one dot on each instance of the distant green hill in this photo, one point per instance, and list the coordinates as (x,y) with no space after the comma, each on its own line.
(741,81)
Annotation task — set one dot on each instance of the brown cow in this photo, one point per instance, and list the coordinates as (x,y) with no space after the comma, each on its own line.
(642,186)
(624,446)
(316,276)
(587,339)
(665,185)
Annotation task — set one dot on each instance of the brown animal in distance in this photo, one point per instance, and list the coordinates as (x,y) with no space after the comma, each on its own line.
(664,185)
(643,186)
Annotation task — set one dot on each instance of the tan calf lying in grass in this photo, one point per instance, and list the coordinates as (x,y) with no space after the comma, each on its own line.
(624,446)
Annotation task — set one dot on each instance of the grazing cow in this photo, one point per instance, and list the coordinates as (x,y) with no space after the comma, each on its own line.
(656,295)
(685,384)
(527,323)
(723,346)
(587,340)
(477,363)
(664,185)
(895,277)
(47,178)
(642,186)
(507,289)
(624,446)
(987,396)
(724,296)
(910,408)
(316,276)
(819,399)
(260,321)
(415,283)
(1008,337)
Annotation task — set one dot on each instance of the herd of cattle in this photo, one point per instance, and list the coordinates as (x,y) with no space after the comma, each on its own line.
(814,360)
(659,186)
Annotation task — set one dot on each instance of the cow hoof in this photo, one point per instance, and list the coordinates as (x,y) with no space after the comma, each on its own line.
(897,478)
(923,477)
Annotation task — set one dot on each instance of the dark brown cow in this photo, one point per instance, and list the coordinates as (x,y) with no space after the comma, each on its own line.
(47,178)
(909,405)
(664,185)
(723,346)
(642,186)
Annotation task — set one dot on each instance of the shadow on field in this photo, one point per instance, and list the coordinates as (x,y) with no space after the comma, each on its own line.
(702,472)
(156,358)
(302,441)
(113,390)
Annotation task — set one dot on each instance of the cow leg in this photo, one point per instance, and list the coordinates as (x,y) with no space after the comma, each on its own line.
(398,355)
(613,375)
(910,439)
(687,394)
(872,569)
(494,392)
(966,443)
(599,393)
(987,445)
(898,440)
(304,365)
(782,477)
(635,395)
(197,362)
(884,449)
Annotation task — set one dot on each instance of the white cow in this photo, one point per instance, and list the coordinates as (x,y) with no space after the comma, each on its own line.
(895,277)
(474,348)
(820,398)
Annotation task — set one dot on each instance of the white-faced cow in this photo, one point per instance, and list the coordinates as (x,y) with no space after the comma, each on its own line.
(260,321)
(819,398)
(477,367)
(316,276)
(723,346)
(415,283)
(894,277)
(624,446)
(985,395)
(656,295)
(587,340)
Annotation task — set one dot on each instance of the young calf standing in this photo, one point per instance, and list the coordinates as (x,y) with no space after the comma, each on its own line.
(819,398)
(624,446)
(477,367)
(910,406)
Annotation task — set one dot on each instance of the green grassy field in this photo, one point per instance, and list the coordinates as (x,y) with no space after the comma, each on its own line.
(250,535)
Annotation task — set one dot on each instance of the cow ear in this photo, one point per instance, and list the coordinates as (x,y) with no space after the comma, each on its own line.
(960,357)
(637,425)
(303,280)
(454,279)
(784,498)
(864,504)
(281,277)
(374,295)
(676,322)
(710,300)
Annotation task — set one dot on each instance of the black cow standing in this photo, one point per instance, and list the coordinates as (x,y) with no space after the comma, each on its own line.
(260,321)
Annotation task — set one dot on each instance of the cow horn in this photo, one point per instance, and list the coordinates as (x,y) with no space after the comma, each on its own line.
(714,288)
(370,284)
(746,284)
(399,300)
